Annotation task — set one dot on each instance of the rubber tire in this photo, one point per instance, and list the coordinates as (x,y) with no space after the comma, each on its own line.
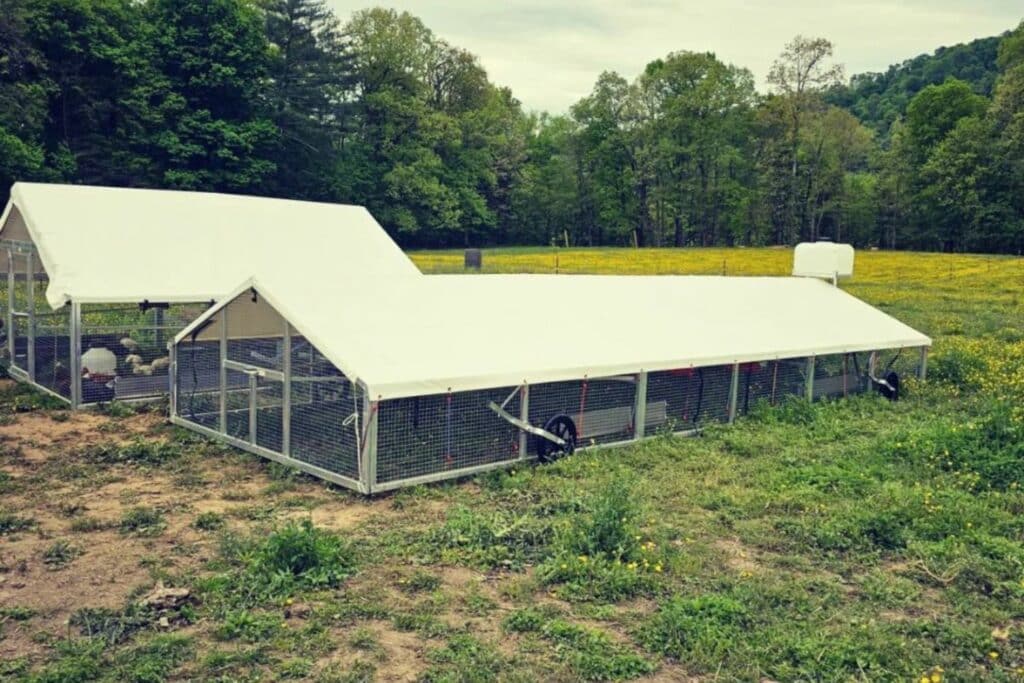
(559,425)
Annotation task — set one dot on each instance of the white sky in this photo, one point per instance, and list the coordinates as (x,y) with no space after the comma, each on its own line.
(551,52)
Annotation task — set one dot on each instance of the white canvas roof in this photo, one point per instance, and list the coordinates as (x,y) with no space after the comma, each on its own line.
(101,244)
(464,332)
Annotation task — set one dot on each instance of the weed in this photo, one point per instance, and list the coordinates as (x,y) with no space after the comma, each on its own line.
(297,555)
(11,523)
(591,654)
(59,555)
(700,630)
(142,521)
(464,658)
(154,660)
(208,521)
(88,524)
(17,613)
(420,581)
(249,626)
(111,626)
(490,539)
(70,508)
(138,451)
(118,409)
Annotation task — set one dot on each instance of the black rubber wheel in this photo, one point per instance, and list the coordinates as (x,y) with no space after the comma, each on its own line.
(564,428)
(893,380)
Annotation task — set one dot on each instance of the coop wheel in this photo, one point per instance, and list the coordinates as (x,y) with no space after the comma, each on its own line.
(564,428)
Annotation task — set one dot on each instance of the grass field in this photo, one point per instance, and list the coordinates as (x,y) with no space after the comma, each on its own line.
(855,540)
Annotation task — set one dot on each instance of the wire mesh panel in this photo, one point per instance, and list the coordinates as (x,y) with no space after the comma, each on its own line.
(690,396)
(326,412)
(432,435)
(137,335)
(601,410)
(53,350)
(237,405)
(22,299)
(197,395)
(769,382)
(840,375)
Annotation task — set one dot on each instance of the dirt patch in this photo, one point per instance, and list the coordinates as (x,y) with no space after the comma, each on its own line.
(738,557)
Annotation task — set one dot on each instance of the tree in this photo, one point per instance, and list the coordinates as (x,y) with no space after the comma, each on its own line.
(23,98)
(936,110)
(309,96)
(209,128)
(800,75)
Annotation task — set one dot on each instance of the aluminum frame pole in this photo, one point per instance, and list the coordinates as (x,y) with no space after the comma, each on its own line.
(75,345)
(223,370)
(369,474)
(734,391)
(524,415)
(30,275)
(922,369)
(640,406)
(809,380)
(286,388)
(11,283)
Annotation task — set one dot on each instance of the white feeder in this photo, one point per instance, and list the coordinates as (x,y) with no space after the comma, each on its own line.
(99,362)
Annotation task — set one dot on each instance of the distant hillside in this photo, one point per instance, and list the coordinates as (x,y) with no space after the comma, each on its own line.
(879,98)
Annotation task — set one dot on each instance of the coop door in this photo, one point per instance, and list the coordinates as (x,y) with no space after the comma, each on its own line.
(253,405)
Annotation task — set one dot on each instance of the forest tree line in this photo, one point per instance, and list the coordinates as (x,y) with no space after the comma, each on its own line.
(282,98)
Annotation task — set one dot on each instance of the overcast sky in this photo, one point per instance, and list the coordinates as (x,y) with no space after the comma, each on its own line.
(551,52)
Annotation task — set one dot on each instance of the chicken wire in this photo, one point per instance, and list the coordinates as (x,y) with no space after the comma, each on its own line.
(276,395)
(137,335)
(690,396)
(443,435)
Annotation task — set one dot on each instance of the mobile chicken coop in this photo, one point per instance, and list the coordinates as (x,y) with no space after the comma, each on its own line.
(99,280)
(386,385)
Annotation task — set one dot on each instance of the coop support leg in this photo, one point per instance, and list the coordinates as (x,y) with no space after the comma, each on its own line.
(10,304)
(524,415)
(286,389)
(223,370)
(368,475)
(30,277)
(75,345)
(173,376)
(734,391)
(640,407)
(922,369)
(809,380)
(254,385)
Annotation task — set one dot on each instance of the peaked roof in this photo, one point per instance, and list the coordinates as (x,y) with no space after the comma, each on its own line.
(102,244)
(464,332)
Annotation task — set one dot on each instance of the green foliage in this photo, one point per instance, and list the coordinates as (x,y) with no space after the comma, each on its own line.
(591,654)
(281,98)
(490,539)
(294,556)
(11,523)
(142,521)
(209,521)
(464,658)
(249,626)
(138,451)
(610,530)
(110,626)
(879,99)
(60,554)
(699,630)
